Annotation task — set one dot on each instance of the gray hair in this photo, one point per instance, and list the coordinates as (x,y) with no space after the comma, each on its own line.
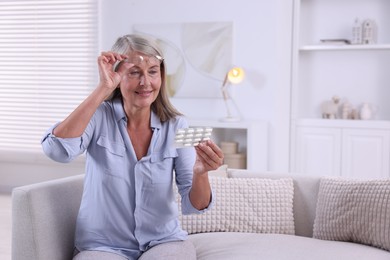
(145,44)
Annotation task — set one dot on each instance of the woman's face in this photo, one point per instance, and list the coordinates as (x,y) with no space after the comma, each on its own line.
(141,83)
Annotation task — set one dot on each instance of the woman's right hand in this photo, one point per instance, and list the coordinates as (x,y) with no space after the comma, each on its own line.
(76,123)
(110,79)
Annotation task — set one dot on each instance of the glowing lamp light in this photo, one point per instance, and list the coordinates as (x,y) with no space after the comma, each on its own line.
(236,75)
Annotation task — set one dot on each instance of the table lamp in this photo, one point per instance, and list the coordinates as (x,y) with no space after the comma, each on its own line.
(234,76)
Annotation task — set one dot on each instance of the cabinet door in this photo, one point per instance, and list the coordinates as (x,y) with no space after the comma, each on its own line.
(365,153)
(318,151)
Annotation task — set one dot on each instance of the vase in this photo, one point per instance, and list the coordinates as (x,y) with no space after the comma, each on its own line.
(366,111)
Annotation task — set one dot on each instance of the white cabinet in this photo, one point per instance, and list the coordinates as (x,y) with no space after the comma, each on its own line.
(365,153)
(342,148)
(251,136)
(318,151)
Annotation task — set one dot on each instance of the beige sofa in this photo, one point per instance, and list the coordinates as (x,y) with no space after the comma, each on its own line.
(44,220)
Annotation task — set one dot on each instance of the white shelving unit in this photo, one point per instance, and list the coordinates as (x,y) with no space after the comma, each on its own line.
(369,47)
(252,137)
(355,73)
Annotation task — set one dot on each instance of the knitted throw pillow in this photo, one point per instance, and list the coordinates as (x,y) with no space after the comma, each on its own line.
(253,205)
(354,211)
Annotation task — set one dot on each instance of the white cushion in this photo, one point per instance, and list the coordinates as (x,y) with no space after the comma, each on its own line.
(355,211)
(250,246)
(246,205)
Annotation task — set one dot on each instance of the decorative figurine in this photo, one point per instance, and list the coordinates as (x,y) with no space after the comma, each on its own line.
(369,32)
(357,32)
(329,108)
(354,114)
(346,110)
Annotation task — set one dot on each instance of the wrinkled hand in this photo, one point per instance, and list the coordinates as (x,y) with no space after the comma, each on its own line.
(208,157)
(109,78)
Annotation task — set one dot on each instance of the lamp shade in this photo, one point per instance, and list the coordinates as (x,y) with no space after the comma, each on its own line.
(236,75)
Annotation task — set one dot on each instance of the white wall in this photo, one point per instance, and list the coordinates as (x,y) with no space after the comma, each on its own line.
(262,42)
(32,169)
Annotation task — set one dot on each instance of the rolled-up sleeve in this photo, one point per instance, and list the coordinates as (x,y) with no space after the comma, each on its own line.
(61,150)
(187,208)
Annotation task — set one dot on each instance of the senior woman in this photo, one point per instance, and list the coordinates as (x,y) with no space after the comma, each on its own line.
(127,128)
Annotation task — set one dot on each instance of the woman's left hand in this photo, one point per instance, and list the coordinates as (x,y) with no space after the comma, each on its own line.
(208,157)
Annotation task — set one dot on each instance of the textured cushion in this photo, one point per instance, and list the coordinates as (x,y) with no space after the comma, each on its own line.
(356,211)
(305,196)
(246,205)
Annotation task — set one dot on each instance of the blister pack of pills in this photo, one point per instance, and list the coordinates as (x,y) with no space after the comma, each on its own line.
(192,136)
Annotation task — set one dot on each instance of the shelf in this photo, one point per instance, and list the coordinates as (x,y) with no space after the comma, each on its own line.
(318,122)
(327,47)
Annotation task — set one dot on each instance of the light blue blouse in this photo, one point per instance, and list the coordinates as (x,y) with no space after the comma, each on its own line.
(128,205)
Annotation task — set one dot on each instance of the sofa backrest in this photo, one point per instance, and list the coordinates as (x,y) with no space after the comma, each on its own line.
(44,217)
(44,214)
(305,196)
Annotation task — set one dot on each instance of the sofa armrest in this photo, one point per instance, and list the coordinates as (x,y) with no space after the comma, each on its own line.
(44,218)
